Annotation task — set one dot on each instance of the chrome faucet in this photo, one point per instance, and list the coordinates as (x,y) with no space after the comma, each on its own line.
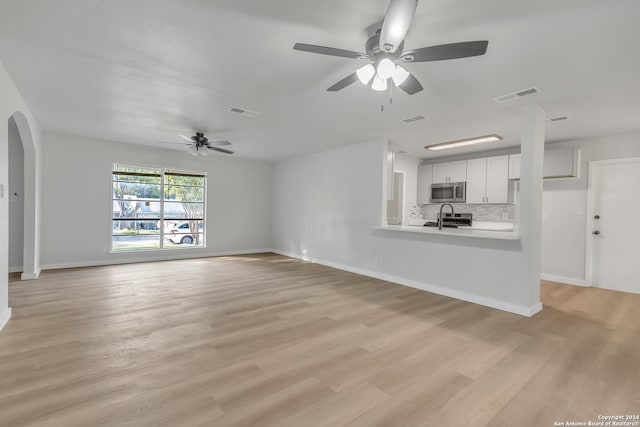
(440,216)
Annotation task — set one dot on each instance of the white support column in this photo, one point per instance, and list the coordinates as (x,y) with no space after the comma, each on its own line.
(532,146)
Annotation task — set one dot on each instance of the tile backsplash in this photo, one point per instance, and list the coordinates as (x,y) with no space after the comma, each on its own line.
(485,213)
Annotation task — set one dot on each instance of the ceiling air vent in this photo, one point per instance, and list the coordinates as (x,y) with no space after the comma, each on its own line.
(414,119)
(244,112)
(519,94)
(558,119)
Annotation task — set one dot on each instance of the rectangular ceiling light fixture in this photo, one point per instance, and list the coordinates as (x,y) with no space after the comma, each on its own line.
(464,142)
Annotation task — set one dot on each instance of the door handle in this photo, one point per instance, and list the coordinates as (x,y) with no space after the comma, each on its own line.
(596,232)
(596,217)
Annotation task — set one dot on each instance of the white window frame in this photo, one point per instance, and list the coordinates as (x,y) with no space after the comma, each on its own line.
(162,201)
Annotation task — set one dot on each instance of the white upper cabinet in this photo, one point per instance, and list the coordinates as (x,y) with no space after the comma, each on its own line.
(498,179)
(514,166)
(476,180)
(558,163)
(450,172)
(488,180)
(425,178)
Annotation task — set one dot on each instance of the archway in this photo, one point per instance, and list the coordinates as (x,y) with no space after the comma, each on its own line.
(15,194)
(30,256)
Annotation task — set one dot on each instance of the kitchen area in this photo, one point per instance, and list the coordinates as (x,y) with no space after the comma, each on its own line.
(473,195)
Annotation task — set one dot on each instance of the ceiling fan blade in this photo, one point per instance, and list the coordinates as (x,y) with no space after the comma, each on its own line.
(350,79)
(222,150)
(174,143)
(331,51)
(186,138)
(446,51)
(396,24)
(411,85)
(219,143)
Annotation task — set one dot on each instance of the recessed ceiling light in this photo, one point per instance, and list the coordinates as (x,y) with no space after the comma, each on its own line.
(464,142)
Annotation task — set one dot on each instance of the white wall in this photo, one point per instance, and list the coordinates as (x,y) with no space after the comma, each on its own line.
(327,204)
(12,105)
(78,174)
(564,231)
(16,198)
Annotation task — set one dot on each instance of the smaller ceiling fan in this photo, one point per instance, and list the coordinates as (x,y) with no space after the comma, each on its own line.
(200,145)
(386,48)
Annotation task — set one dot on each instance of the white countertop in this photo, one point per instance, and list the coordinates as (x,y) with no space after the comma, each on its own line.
(498,231)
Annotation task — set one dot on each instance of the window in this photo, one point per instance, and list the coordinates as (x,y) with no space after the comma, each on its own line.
(156,208)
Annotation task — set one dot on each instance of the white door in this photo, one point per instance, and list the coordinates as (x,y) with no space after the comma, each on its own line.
(395,209)
(615,232)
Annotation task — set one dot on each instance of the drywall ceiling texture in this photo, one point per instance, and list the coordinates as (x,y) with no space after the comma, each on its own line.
(326,205)
(144,71)
(564,230)
(77,206)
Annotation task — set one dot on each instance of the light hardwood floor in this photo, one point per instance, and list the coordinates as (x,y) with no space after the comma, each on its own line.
(267,340)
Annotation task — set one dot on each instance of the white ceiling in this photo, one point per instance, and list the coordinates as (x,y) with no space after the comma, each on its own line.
(142,71)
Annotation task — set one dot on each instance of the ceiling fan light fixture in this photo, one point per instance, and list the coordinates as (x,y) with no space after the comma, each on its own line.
(464,142)
(386,68)
(366,73)
(379,84)
(400,75)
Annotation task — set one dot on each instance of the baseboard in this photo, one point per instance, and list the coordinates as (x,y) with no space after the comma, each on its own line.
(4,317)
(464,296)
(30,276)
(534,309)
(15,269)
(566,280)
(168,257)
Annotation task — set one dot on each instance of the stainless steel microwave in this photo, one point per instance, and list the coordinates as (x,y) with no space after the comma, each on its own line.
(449,192)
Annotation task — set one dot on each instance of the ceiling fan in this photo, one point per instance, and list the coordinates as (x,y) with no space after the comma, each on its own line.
(200,145)
(386,49)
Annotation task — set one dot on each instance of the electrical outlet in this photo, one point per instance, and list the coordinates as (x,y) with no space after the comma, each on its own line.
(544,216)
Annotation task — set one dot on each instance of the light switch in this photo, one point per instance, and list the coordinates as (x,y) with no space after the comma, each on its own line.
(544,216)
(580,211)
